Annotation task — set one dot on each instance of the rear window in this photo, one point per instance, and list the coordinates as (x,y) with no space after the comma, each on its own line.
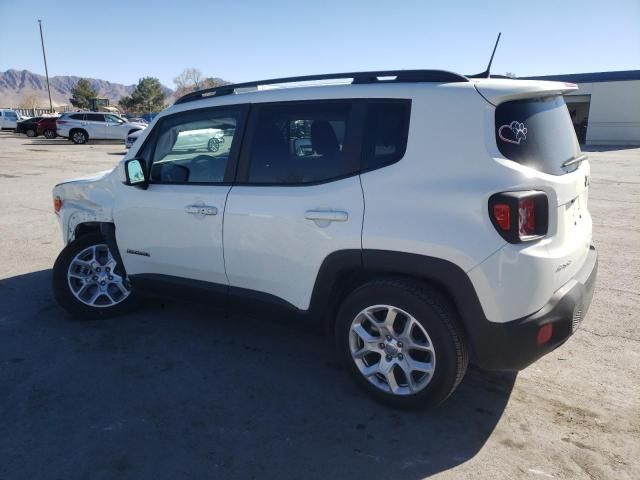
(537,133)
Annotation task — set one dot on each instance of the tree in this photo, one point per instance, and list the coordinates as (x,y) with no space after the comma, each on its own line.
(189,80)
(30,101)
(211,82)
(148,96)
(81,93)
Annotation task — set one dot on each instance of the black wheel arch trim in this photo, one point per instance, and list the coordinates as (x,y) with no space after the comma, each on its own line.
(445,275)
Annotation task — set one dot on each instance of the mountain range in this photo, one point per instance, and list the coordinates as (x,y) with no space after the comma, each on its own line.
(17,85)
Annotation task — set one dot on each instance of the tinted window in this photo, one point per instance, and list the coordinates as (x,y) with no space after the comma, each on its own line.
(95,117)
(537,133)
(194,147)
(113,119)
(300,143)
(11,115)
(385,133)
(77,116)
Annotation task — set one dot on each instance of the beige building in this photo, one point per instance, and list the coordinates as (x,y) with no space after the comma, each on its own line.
(606,107)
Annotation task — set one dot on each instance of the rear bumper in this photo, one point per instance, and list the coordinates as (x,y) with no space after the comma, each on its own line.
(514,345)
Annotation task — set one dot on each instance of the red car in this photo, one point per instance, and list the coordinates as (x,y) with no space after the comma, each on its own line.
(47,127)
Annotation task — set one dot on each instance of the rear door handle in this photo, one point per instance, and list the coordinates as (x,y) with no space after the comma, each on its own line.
(200,210)
(326,215)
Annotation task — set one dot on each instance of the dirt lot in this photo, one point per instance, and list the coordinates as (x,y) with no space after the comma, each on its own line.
(176,392)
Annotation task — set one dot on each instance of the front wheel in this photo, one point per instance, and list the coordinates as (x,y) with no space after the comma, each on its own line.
(49,133)
(88,282)
(402,342)
(31,133)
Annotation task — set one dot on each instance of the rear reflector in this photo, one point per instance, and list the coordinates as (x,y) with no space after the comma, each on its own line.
(545,333)
(530,208)
(526,217)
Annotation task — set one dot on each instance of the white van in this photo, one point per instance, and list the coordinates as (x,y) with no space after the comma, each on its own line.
(8,119)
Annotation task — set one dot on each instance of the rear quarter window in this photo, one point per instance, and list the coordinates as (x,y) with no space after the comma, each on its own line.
(385,133)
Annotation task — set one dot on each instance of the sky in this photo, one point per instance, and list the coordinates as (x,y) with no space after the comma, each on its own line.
(122,41)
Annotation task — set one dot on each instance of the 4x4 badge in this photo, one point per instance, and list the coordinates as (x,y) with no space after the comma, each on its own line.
(515,132)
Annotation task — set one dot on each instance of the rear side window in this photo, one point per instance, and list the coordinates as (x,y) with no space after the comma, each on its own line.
(77,116)
(300,143)
(95,117)
(385,133)
(537,133)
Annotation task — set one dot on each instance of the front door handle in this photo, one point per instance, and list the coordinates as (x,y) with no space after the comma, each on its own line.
(326,215)
(200,210)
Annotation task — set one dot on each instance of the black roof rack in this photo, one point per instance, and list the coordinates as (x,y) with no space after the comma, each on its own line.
(406,76)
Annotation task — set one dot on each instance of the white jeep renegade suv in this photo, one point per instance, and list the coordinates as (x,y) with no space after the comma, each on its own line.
(79,127)
(422,216)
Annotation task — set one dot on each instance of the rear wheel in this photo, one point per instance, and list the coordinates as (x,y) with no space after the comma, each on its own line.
(88,281)
(79,137)
(401,341)
(49,133)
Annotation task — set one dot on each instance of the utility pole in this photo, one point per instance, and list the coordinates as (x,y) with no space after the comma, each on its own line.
(46,70)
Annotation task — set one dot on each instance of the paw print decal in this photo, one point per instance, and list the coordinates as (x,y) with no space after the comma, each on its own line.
(515,132)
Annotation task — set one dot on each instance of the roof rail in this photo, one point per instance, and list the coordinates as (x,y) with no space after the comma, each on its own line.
(403,76)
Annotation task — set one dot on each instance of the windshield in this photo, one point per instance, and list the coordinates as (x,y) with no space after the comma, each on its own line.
(537,132)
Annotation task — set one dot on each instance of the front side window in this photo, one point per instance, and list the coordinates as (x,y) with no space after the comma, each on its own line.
(300,143)
(77,116)
(11,115)
(113,119)
(194,147)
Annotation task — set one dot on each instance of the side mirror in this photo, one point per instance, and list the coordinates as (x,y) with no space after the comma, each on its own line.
(135,173)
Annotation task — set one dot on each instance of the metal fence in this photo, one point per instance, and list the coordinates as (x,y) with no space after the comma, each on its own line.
(38,112)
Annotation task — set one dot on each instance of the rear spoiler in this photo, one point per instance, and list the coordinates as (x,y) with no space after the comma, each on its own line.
(497,90)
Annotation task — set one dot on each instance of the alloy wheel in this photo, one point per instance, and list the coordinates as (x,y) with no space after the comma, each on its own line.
(392,350)
(92,278)
(79,137)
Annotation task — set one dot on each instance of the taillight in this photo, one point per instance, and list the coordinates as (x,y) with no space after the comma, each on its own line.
(520,216)
(502,215)
(57,204)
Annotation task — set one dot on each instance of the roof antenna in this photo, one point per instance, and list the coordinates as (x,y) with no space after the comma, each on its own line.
(487,72)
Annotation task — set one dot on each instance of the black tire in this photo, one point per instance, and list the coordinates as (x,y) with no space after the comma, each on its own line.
(62,291)
(50,133)
(437,316)
(31,133)
(78,136)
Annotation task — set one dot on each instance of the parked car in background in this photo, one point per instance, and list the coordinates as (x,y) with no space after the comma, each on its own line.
(79,127)
(29,126)
(8,119)
(131,138)
(137,120)
(47,127)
